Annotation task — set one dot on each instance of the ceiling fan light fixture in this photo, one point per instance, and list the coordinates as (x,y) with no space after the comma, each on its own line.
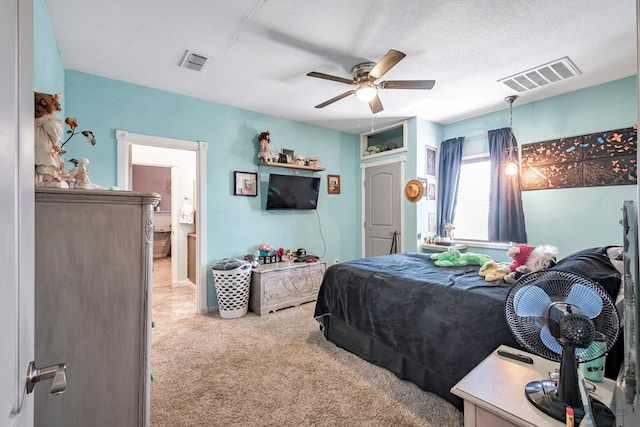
(366,92)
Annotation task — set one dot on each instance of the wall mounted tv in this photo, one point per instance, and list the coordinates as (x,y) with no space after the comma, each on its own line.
(292,192)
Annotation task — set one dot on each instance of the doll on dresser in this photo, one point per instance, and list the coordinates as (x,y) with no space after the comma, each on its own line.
(49,167)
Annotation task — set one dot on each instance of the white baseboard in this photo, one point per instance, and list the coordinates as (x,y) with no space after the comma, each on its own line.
(185,283)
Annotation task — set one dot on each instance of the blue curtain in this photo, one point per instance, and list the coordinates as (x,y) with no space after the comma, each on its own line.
(448,177)
(506,216)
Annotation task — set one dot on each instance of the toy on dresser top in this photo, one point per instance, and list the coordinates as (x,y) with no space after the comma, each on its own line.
(266,254)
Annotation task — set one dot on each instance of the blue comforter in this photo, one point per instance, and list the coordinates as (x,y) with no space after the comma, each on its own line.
(444,319)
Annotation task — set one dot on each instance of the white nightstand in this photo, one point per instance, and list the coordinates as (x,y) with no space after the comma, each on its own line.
(494,395)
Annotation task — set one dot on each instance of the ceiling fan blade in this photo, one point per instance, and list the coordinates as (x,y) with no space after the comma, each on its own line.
(335,98)
(376,105)
(387,62)
(330,77)
(407,84)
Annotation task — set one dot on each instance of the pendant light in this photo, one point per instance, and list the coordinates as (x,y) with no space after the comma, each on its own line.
(511,167)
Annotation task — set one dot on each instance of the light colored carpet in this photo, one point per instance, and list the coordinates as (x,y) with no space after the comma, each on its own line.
(277,370)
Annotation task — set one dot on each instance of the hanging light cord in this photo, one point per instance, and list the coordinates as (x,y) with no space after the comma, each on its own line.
(511,168)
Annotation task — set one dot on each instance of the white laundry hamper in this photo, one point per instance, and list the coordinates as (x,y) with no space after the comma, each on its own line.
(232,287)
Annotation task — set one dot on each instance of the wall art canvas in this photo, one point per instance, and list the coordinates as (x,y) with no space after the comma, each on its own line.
(599,159)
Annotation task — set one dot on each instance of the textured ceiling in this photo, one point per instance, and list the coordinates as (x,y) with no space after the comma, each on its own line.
(261,50)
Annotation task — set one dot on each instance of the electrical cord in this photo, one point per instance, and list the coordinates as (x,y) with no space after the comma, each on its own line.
(324,244)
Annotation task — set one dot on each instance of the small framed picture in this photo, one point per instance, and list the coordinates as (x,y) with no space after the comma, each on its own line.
(431,189)
(430,161)
(288,154)
(246,183)
(333,184)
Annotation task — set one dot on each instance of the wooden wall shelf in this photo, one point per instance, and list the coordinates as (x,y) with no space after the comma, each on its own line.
(292,166)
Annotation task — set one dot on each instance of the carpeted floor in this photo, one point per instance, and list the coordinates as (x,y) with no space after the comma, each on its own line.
(277,370)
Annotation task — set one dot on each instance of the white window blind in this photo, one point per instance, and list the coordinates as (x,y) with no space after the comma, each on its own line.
(472,207)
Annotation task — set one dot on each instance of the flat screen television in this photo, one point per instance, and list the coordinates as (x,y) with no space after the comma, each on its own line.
(292,192)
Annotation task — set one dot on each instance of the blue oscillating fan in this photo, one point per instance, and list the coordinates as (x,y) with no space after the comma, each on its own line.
(566,318)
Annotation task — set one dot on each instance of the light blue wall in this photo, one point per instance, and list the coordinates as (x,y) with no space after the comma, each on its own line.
(428,134)
(570,218)
(49,72)
(236,225)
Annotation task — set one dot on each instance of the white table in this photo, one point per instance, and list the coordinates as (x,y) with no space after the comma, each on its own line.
(494,396)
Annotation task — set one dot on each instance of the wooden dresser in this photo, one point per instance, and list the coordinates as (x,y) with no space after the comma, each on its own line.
(93,258)
(284,284)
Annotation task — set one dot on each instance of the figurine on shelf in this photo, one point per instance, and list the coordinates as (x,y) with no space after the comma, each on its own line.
(48,129)
(264,155)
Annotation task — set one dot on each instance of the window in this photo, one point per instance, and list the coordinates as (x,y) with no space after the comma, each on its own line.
(472,208)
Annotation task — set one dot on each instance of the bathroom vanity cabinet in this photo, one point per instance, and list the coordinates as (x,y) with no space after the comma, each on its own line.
(93,260)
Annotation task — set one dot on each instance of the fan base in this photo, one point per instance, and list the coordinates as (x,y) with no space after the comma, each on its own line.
(544,396)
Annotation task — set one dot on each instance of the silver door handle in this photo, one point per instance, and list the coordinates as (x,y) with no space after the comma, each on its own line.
(57,372)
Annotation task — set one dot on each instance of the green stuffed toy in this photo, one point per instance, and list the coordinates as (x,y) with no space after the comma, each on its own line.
(492,271)
(455,258)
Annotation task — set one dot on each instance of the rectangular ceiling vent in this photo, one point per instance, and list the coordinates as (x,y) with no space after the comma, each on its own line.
(551,72)
(193,61)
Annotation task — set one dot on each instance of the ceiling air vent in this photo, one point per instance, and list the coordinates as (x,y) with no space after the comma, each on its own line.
(193,61)
(550,72)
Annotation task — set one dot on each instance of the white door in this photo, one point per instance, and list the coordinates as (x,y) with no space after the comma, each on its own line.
(382,208)
(16,211)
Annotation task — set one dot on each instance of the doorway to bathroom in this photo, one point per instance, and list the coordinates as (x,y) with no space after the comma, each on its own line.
(177,171)
(173,294)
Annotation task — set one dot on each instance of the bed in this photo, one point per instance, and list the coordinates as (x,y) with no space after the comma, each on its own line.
(429,325)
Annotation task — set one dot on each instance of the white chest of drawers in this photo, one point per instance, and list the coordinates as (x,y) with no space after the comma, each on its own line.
(284,284)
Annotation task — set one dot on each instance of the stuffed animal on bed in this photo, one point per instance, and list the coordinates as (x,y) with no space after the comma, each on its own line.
(538,258)
(493,271)
(455,258)
(519,255)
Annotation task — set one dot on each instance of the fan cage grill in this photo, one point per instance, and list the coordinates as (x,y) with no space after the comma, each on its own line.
(557,285)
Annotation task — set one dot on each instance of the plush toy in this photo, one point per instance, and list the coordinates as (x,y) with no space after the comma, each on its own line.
(493,271)
(374,149)
(539,258)
(519,255)
(455,258)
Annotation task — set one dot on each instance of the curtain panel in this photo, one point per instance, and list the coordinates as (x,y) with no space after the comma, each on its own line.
(449,166)
(506,215)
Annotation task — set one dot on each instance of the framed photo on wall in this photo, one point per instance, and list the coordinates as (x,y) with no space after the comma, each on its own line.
(246,183)
(431,189)
(430,161)
(333,184)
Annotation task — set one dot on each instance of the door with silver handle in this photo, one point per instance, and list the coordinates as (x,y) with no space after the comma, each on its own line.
(57,372)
